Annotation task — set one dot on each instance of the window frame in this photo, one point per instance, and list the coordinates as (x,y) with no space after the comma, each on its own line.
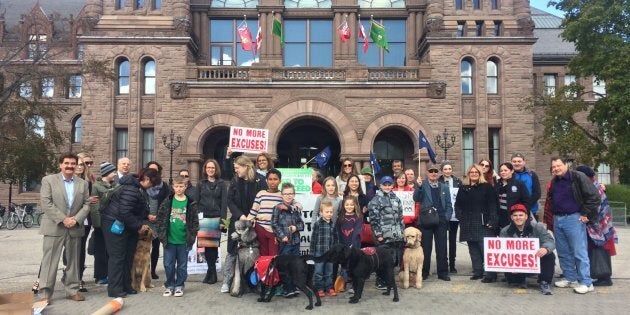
(26,90)
(122,143)
(469,78)
(74,89)
(476,4)
(308,42)
(235,51)
(494,76)
(149,81)
(494,4)
(461,29)
(497,29)
(47,87)
(494,145)
(120,4)
(468,147)
(548,89)
(77,129)
(119,69)
(599,88)
(459,4)
(385,59)
(604,174)
(479,29)
(148,145)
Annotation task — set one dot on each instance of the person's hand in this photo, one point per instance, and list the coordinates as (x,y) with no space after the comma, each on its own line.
(93,199)
(542,252)
(419,180)
(285,239)
(243,218)
(583,219)
(152,218)
(292,228)
(69,222)
(228,153)
(283,207)
(364,209)
(380,239)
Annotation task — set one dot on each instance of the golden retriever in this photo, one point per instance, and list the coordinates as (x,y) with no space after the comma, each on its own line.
(413,258)
(141,268)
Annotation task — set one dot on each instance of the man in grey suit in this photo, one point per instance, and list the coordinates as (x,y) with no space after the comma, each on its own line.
(64,200)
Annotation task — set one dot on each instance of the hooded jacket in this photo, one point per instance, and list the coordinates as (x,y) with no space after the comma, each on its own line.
(129,204)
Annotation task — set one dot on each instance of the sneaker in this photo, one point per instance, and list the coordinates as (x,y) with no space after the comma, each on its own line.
(179,292)
(225,288)
(82,286)
(321,293)
(583,289)
(332,292)
(380,286)
(167,292)
(545,288)
(564,283)
(295,293)
(351,291)
(287,295)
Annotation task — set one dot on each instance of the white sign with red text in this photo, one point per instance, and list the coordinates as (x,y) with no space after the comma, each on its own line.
(516,255)
(251,140)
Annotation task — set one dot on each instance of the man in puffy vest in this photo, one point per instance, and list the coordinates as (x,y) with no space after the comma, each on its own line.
(530,179)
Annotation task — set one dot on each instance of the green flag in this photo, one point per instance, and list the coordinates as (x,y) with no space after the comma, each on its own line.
(277,30)
(377,33)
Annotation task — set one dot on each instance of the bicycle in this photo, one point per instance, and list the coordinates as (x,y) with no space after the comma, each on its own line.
(20,214)
(3,210)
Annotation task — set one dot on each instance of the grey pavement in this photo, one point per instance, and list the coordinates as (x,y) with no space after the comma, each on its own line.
(20,254)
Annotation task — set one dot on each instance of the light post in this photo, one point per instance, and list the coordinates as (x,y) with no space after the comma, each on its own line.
(171,146)
(445,141)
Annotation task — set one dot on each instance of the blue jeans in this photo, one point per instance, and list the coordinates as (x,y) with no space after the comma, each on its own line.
(572,247)
(323,276)
(175,254)
(287,282)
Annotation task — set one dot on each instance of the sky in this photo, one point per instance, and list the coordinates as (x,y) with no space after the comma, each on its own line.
(542,4)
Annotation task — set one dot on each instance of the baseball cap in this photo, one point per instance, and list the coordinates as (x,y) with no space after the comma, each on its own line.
(387,179)
(518,207)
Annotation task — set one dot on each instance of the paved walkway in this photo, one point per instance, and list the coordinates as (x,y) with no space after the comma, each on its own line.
(20,254)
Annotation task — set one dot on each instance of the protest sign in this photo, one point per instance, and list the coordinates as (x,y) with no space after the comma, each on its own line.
(301,178)
(243,139)
(408,205)
(517,255)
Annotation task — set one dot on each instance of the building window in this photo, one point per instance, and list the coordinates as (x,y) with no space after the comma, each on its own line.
(123,76)
(364,3)
(122,143)
(461,28)
(476,4)
(138,4)
(77,125)
(37,46)
(147,146)
(74,86)
(468,147)
(549,82)
(26,90)
(80,51)
(157,4)
(459,4)
(599,88)
(466,75)
(494,4)
(238,4)
(149,77)
(568,80)
(494,146)
(30,185)
(48,87)
(603,174)
(479,28)
(498,28)
(225,44)
(38,125)
(308,44)
(396,33)
(120,4)
(492,77)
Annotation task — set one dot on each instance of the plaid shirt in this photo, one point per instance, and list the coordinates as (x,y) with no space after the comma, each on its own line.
(323,237)
(281,220)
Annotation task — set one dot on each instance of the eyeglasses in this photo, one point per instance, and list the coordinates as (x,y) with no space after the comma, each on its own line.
(485,165)
(473,172)
(288,194)
(347,165)
(185,176)
(434,171)
(260,161)
(89,163)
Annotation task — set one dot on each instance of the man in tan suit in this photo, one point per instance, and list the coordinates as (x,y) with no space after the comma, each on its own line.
(64,200)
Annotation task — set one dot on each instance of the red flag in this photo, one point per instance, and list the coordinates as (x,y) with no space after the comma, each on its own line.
(344,31)
(246,36)
(258,38)
(362,35)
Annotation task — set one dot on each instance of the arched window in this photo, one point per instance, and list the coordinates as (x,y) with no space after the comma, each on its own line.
(466,75)
(234,3)
(307,3)
(149,77)
(77,126)
(123,76)
(382,3)
(492,77)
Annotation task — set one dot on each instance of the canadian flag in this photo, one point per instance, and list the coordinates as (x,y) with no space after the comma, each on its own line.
(362,35)
(246,37)
(344,31)
(258,38)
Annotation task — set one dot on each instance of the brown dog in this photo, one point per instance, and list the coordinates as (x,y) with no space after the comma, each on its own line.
(413,258)
(141,268)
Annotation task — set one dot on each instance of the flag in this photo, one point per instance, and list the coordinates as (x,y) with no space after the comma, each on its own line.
(246,36)
(258,38)
(377,33)
(323,157)
(344,31)
(375,166)
(277,30)
(424,143)
(366,42)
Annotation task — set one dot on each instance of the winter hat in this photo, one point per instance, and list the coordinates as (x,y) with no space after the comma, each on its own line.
(586,170)
(107,168)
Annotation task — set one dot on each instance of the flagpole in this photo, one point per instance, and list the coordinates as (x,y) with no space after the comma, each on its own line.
(309,161)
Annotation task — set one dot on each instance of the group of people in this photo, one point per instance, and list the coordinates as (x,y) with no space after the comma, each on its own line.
(351,209)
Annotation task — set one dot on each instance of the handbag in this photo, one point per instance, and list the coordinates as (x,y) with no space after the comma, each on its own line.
(600,263)
(117,227)
(429,218)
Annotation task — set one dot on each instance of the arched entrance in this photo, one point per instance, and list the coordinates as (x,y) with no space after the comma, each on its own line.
(302,139)
(215,147)
(393,143)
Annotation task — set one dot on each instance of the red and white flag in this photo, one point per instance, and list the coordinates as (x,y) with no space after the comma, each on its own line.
(258,38)
(246,36)
(344,31)
(365,38)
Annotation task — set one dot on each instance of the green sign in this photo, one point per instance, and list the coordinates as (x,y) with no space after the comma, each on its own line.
(301,178)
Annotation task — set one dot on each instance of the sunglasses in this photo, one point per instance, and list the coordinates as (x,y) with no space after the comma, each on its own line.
(89,163)
(434,171)
(485,165)
(347,165)
(185,176)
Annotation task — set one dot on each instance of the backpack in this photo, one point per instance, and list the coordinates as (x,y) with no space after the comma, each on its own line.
(266,270)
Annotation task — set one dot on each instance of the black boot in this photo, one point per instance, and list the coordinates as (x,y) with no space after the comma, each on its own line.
(206,279)
(212,274)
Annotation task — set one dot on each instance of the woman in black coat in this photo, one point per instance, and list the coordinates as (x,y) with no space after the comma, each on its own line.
(241,194)
(129,204)
(476,208)
(510,191)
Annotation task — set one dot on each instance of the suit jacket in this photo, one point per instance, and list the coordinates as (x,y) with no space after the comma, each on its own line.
(54,204)
(422,194)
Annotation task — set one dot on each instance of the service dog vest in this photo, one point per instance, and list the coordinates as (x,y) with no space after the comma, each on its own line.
(371,252)
(266,270)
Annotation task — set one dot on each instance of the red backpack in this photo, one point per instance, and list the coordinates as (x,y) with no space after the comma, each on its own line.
(267,273)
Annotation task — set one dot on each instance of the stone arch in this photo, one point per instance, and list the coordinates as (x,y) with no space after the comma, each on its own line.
(283,115)
(404,121)
(196,134)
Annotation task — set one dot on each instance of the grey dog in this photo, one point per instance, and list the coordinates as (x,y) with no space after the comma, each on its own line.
(248,252)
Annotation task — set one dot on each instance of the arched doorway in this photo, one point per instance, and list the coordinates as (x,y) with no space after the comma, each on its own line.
(215,147)
(393,143)
(302,139)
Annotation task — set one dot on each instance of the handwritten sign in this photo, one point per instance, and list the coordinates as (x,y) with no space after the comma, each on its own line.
(301,178)
(243,139)
(517,255)
(408,205)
